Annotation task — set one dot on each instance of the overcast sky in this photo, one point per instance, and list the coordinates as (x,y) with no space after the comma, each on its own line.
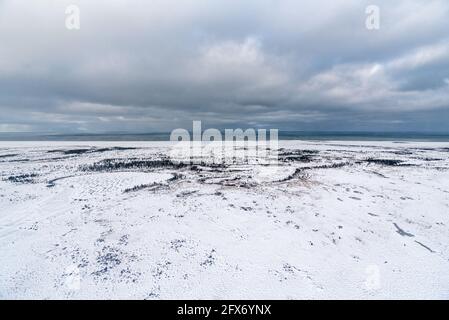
(151,66)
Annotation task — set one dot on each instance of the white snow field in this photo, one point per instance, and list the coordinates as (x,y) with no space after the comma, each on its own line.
(111,220)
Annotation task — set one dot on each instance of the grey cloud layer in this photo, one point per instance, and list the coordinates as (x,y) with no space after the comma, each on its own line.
(157,65)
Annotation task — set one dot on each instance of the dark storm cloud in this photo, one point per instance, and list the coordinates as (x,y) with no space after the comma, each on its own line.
(157,65)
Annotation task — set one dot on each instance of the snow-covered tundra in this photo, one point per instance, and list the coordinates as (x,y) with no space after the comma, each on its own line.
(121,220)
